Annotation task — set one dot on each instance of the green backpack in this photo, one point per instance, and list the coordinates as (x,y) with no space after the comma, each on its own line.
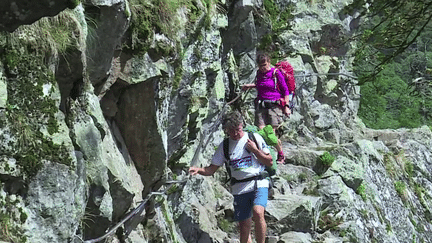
(269,136)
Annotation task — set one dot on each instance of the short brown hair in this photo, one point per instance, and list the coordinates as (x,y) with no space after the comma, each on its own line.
(262,58)
(231,120)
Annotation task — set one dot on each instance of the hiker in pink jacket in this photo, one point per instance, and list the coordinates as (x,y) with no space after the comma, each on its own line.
(272,101)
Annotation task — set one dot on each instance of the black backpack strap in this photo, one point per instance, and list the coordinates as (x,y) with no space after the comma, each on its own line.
(226,148)
(252,136)
(253,178)
(227,157)
(226,154)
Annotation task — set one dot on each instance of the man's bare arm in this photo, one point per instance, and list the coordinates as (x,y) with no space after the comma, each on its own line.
(206,171)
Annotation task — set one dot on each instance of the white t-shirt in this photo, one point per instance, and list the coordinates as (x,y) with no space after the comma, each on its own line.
(243,164)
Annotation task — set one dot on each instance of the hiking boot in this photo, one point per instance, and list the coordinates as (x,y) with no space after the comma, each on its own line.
(280,158)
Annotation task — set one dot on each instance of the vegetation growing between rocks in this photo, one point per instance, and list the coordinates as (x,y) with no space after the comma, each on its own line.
(225,225)
(328,221)
(327,159)
(401,190)
(11,216)
(169,221)
(160,17)
(166,18)
(280,19)
(311,188)
(402,171)
(361,190)
(30,109)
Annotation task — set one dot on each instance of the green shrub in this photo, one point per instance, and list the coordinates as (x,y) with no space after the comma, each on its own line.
(327,159)
(401,190)
(327,221)
(409,168)
(361,190)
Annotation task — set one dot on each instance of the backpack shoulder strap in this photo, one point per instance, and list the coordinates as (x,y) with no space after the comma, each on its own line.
(226,148)
(270,169)
(252,136)
(226,155)
(275,77)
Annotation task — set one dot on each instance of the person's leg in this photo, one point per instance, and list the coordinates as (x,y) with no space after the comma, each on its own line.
(260,202)
(242,213)
(260,224)
(244,227)
(276,118)
(260,118)
(281,158)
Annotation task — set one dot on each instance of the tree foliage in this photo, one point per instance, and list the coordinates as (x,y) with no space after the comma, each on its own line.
(389,28)
(400,96)
(393,63)
(387,103)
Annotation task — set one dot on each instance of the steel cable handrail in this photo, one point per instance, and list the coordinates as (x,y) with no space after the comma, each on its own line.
(137,211)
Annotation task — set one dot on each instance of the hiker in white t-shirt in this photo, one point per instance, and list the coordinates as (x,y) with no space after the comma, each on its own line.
(246,164)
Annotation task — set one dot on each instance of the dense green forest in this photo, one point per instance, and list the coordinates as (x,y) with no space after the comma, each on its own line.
(394,65)
(401,94)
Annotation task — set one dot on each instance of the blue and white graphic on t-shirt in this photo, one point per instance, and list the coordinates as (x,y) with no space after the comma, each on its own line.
(242,163)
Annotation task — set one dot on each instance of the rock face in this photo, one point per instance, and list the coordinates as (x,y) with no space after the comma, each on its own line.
(103,104)
(16,13)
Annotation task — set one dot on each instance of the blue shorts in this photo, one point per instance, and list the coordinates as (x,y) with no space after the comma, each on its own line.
(244,203)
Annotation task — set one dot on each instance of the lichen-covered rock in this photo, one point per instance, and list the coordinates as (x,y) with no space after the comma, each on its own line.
(295,237)
(293,213)
(56,196)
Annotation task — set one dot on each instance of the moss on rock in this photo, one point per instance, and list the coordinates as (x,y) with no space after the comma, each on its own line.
(11,216)
(29,110)
(73,4)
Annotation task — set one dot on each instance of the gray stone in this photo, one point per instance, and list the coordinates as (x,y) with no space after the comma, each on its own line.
(351,172)
(322,115)
(110,28)
(55,197)
(295,237)
(293,213)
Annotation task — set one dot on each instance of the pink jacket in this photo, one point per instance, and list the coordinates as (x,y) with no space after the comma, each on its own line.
(265,84)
